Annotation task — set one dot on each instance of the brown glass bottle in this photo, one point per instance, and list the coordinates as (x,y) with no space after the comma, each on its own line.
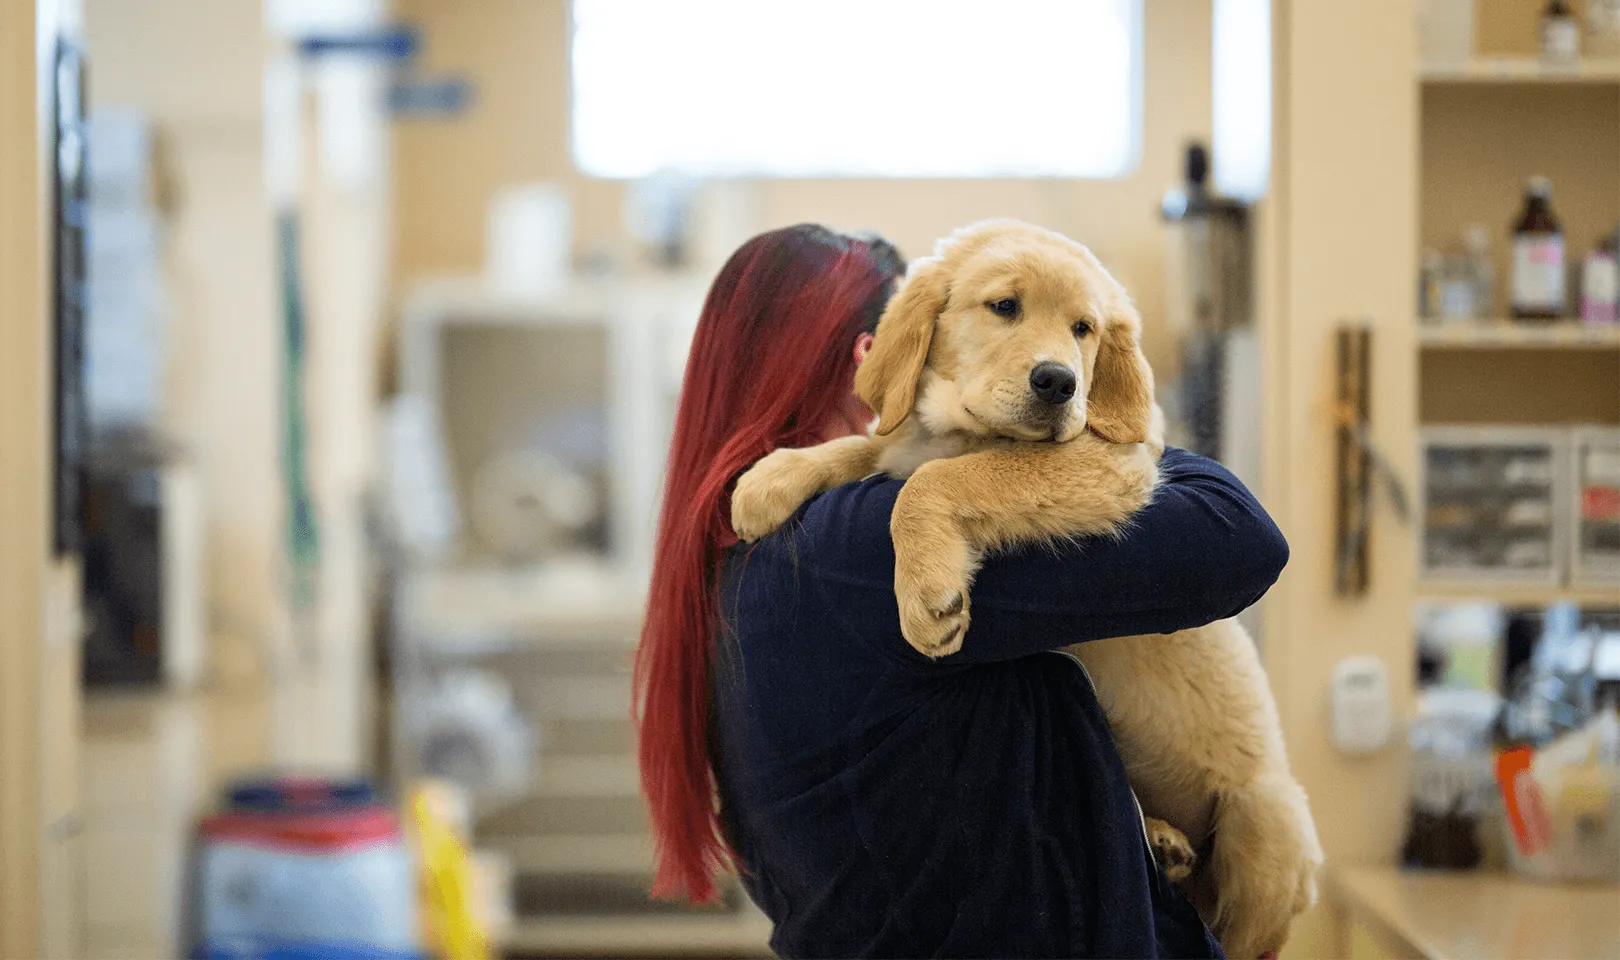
(1537,290)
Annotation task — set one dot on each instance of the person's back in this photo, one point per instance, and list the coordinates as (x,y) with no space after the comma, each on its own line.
(883,804)
(876,803)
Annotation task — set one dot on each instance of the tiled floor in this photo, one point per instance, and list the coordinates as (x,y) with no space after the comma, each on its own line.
(150,762)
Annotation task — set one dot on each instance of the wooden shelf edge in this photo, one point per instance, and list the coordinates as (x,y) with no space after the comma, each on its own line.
(1508,593)
(745,933)
(1518,70)
(1505,334)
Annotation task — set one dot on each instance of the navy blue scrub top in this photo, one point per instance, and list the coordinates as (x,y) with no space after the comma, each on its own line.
(886,805)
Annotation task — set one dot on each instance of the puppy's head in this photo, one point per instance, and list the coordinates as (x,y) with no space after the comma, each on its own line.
(1014,331)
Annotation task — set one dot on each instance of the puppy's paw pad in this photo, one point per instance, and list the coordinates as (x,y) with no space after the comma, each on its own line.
(936,630)
(1172,849)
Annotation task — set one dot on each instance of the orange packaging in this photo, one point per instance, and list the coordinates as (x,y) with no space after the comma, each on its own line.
(1521,795)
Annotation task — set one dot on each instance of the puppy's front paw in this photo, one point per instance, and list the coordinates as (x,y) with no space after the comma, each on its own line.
(933,613)
(933,568)
(1172,849)
(769,492)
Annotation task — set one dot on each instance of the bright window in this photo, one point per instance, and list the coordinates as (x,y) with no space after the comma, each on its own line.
(847,88)
(1242,97)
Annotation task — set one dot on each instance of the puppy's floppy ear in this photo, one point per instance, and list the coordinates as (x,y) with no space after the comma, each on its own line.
(1119,406)
(887,380)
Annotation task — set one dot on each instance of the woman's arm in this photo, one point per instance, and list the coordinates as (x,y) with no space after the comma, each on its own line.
(953,512)
(1201,551)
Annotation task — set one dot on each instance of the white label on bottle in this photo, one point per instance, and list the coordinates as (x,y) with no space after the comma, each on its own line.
(1560,40)
(1600,288)
(1538,272)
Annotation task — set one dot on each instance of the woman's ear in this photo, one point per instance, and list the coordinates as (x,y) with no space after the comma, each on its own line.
(863,346)
(1119,406)
(887,380)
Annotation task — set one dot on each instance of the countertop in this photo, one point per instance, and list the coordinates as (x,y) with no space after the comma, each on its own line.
(1462,916)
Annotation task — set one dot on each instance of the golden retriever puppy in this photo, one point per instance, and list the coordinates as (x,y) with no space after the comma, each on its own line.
(1012,392)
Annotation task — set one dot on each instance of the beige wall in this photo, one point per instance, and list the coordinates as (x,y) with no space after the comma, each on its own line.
(516,52)
(1339,243)
(23,504)
(1341,228)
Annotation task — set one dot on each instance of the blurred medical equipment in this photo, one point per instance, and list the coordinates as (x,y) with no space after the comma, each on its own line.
(1215,400)
(1493,499)
(471,732)
(524,466)
(1526,505)
(526,505)
(1563,802)
(1451,792)
(1594,519)
(658,214)
(527,249)
(303,868)
(125,296)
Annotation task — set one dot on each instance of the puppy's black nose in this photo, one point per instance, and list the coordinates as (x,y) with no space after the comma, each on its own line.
(1052,382)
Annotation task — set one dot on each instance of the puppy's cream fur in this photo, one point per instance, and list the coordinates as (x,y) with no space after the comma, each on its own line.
(989,468)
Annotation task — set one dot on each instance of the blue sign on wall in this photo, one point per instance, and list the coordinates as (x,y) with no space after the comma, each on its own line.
(420,98)
(397,43)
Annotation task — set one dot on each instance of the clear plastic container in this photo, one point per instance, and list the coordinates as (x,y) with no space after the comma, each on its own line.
(1446,31)
(1583,846)
(1567,826)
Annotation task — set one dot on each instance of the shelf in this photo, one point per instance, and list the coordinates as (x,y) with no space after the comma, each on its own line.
(1516,594)
(568,601)
(1518,70)
(1512,335)
(629,854)
(746,933)
(587,776)
(579,301)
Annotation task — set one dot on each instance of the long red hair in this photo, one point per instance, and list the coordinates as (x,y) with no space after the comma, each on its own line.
(771,365)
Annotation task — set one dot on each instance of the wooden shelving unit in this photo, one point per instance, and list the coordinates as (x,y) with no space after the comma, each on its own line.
(1485,125)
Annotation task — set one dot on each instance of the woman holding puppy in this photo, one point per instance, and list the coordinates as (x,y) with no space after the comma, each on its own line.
(876,802)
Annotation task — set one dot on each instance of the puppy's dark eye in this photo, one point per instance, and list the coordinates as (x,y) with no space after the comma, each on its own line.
(1082,329)
(1006,307)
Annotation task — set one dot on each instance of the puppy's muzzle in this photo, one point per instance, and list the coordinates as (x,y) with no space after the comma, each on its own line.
(1052,383)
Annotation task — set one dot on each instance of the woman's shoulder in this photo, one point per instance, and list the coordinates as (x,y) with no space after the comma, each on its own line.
(843,534)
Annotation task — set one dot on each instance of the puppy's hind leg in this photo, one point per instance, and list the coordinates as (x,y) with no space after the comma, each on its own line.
(1261,871)
(1171,849)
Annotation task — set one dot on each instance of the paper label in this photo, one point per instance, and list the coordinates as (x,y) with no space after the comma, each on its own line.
(1538,272)
(1600,287)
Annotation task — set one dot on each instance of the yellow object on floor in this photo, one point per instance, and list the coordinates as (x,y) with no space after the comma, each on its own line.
(453,930)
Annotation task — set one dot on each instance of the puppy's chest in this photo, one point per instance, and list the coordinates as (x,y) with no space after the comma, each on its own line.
(902,457)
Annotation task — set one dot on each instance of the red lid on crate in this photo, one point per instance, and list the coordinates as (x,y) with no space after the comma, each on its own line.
(304,832)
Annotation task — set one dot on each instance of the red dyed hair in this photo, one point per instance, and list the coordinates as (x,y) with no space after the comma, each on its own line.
(772,365)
